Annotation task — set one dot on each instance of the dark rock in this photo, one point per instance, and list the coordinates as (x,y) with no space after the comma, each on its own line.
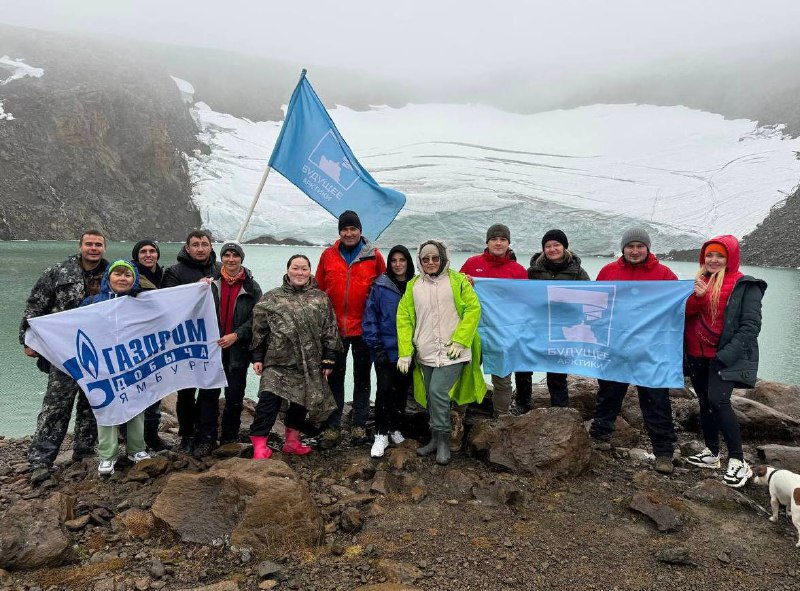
(675,556)
(784,398)
(77,524)
(152,467)
(254,503)
(756,420)
(496,493)
(780,456)
(268,569)
(665,517)
(351,520)
(363,469)
(398,572)
(549,441)
(460,481)
(715,493)
(31,535)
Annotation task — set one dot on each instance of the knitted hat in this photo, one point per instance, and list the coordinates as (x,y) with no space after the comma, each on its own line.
(717,247)
(635,235)
(557,235)
(142,243)
(349,218)
(234,246)
(122,263)
(498,231)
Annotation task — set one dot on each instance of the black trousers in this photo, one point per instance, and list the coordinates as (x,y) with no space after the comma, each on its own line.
(390,398)
(197,417)
(524,383)
(361,382)
(267,409)
(656,412)
(716,412)
(234,397)
(557,386)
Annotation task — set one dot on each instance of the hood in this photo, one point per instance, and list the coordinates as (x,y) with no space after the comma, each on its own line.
(105,286)
(731,244)
(411,271)
(443,254)
(183,257)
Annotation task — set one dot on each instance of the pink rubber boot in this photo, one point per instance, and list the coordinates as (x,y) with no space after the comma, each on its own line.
(292,444)
(260,449)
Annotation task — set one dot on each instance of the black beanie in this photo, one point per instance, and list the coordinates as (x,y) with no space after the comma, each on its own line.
(556,235)
(349,218)
(234,246)
(498,231)
(138,246)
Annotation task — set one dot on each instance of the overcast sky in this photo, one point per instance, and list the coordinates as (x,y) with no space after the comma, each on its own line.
(425,39)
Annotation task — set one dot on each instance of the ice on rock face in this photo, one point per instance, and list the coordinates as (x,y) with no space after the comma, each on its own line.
(592,171)
(13,69)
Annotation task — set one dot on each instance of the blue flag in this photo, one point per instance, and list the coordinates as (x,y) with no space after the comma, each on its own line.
(312,155)
(625,331)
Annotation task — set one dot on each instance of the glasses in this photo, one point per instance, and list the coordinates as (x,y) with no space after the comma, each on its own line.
(431,259)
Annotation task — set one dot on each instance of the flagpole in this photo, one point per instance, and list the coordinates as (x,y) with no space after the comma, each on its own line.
(261,184)
(253,204)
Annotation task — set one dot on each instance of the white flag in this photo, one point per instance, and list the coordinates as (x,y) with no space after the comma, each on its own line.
(129,352)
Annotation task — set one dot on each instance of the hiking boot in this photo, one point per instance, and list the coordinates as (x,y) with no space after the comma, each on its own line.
(39,475)
(330,438)
(358,436)
(106,467)
(737,474)
(396,437)
(152,440)
(139,456)
(664,465)
(601,444)
(202,450)
(705,459)
(187,445)
(380,445)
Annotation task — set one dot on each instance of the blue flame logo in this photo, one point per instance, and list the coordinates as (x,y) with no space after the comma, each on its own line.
(87,354)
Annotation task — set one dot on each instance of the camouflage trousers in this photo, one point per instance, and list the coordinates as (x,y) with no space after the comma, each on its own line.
(51,426)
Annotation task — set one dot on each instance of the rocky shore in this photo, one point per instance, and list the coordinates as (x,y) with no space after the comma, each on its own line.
(526,505)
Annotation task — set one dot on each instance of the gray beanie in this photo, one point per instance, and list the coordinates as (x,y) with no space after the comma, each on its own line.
(234,246)
(635,235)
(498,231)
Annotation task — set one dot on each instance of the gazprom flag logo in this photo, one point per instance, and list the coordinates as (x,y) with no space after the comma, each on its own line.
(86,354)
(312,155)
(580,315)
(328,158)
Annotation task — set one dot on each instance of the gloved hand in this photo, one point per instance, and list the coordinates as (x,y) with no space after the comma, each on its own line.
(454,350)
(403,364)
(382,359)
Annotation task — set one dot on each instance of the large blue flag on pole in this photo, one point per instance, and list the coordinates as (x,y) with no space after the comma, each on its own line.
(625,331)
(312,155)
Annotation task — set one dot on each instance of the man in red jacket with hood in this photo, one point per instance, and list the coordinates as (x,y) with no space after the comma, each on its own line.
(497,262)
(637,263)
(345,272)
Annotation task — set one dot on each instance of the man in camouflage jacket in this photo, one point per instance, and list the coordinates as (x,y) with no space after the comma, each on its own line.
(63,287)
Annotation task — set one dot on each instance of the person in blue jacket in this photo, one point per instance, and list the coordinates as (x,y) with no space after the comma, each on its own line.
(121,279)
(379,331)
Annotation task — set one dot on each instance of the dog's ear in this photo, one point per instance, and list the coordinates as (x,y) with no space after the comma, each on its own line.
(760,470)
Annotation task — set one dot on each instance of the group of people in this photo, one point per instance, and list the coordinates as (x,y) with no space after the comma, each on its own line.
(418,330)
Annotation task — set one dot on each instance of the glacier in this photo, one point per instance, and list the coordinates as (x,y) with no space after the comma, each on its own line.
(16,69)
(593,171)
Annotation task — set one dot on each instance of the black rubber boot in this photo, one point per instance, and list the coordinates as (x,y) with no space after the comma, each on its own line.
(151,438)
(427,450)
(442,448)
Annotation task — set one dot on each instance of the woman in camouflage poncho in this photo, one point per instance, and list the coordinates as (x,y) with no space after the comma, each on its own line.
(295,341)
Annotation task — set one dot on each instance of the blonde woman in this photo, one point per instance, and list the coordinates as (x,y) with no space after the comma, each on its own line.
(723,319)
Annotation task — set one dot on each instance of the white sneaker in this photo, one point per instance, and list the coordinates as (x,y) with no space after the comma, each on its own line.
(106,467)
(380,445)
(139,456)
(737,474)
(705,459)
(396,437)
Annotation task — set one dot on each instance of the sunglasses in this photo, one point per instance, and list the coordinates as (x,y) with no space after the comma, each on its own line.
(431,259)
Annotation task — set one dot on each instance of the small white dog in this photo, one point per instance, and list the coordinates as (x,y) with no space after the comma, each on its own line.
(784,489)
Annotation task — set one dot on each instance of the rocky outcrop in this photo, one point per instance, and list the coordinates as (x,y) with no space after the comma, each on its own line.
(549,441)
(773,243)
(31,533)
(259,505)
(96,142)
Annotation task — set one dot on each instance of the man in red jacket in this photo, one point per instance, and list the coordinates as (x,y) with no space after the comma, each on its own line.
(345,272)
(497,262)
(637,263)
